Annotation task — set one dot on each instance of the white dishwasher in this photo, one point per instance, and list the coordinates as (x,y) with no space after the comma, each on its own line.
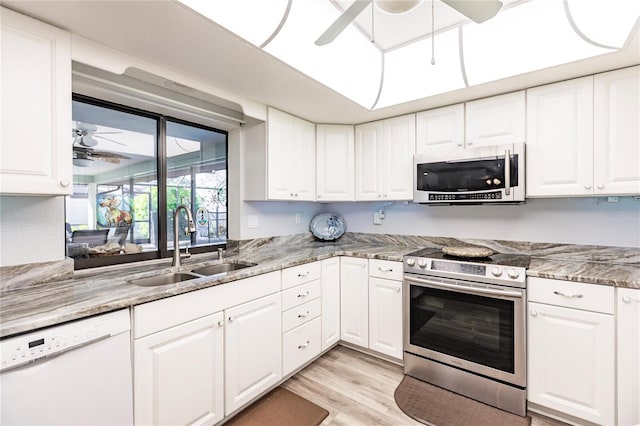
(77,373)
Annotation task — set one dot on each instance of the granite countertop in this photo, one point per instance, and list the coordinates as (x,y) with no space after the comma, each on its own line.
(28,307)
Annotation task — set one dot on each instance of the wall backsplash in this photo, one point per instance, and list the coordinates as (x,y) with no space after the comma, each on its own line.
(562,220)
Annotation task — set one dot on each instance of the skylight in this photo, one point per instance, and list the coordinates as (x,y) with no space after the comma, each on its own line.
(525,36)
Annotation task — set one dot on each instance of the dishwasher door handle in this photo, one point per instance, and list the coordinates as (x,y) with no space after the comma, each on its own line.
(47,357)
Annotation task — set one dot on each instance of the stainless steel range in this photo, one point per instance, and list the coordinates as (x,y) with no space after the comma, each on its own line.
(464,325)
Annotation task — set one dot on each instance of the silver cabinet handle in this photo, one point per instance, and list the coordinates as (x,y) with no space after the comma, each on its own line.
(65,183)
(319,195)
(303,294)
(534,313)
(627,299)
(303,274)
(572,296)
(381,269)
(600,186)
(306,314)
(364,265)
(304,345)
(398,289)
(220,323)
(587,186)
(507,172)
(230,319)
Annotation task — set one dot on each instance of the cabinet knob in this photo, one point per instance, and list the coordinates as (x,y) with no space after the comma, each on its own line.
(534,313)
(220,323)
(230,319)
(291,194)
(379,195)
(319,195)
(65,183)
(587,186)
(398,289)
(384,196)
(600,186)
(363,265)
(469,142)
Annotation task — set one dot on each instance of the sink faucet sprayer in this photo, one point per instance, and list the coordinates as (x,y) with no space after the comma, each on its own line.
(190,229)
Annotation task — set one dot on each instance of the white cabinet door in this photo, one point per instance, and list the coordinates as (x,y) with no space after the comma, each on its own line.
(35,104)
(628,319)
(354,297)
(291,157)
(304,188)
(335,159)
(369,153)
(571,362)
(560,139)
(252,350)
(330,302)
(179,374)
(440,128)
(616,132)
(385,316)
(496,120)
(399,148)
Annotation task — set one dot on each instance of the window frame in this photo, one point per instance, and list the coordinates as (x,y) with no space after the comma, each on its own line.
(163,251)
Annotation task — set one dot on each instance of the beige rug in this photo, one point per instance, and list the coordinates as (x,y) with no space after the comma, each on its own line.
(280,407)
(435,406)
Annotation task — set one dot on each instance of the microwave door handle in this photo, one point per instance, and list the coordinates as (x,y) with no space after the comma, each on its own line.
(507,172)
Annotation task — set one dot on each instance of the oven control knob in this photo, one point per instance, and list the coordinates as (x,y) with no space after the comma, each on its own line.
(513,274)
(496,272)
(411,261)
(422,263)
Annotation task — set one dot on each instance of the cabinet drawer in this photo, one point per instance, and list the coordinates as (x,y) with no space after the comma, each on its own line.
(300,345)
(301,314)
(301,274)
(301,294)
(386,269)
(588,297)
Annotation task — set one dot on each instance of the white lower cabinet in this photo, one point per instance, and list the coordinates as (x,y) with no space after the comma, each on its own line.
(571,349)
(301,345)
(354,296)
(628,328)
(252,350)
(330,302)
(179,374)
(385,316)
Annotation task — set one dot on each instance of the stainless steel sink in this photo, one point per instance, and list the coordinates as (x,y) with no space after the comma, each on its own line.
(221,268)
(165,279)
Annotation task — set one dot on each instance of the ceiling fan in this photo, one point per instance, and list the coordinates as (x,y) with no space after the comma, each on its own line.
(85,156)
(85,138)
(477,11)
(85,135)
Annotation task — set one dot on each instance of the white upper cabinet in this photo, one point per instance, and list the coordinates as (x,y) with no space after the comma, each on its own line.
(560,139)
(335,162)
(616,132)
(496,120)
(291,157)
(582,136)
(384,159)
(440,128)
(35,100)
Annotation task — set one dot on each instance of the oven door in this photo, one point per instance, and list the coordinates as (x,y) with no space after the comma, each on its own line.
(471,326)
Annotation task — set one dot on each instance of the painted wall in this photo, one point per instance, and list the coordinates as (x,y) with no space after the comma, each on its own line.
(564,220)
(31,229)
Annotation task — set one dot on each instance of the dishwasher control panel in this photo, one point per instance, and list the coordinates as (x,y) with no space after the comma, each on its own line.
(49,342)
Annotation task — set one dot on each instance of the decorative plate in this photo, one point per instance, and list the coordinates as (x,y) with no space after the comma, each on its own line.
(468,251)
(327,226)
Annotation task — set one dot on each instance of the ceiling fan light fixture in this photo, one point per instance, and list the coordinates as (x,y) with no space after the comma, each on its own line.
(82,162)
(397,6)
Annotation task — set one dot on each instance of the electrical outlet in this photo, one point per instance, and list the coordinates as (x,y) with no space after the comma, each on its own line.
(376,218)
(297,218)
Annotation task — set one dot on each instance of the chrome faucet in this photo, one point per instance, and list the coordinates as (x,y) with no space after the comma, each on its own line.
(190,229)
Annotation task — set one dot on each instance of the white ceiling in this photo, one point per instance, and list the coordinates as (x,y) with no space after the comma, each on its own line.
(170,35)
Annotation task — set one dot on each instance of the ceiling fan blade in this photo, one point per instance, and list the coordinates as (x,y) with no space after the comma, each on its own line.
(342,22)
(477,11)
(105,154)
(109,139)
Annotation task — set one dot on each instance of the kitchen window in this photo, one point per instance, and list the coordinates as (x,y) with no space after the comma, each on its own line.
(131,169)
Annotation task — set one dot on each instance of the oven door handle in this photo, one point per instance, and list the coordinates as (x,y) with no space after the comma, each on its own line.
(507,172)
(466,289)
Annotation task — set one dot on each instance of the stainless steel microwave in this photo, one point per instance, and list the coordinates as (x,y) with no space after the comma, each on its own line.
(486,174)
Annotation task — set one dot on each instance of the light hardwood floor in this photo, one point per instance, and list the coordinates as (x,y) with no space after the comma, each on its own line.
(357,389)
